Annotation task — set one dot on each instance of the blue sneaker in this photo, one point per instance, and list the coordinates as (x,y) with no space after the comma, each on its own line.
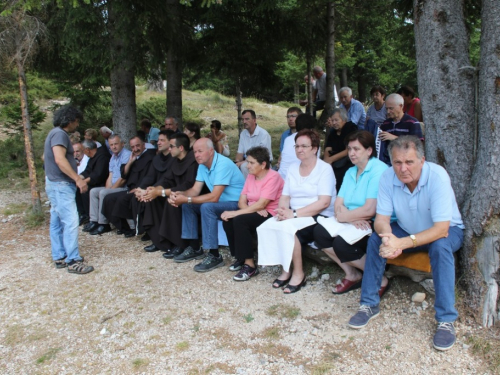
(445,337)
(363,316)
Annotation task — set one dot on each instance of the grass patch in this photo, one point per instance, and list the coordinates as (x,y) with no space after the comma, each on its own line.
(140,362)
(272,333)
(50,354)
(33,220)
(248,318)
(487,349)
(283,311)
(181,346)
(322,368)
(167,319)
(15,209)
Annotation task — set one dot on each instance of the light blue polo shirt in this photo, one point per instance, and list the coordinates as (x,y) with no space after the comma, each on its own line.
(355,193)
(116,162)
(432,201)
(153,135)
(222,172)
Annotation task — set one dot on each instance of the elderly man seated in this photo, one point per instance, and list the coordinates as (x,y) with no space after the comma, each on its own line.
(398,123)
(225,183)
(355,110)
(419,193)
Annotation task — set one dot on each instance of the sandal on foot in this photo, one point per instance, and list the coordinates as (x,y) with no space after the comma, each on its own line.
(346,286)
(79,268)
(280,283)
(384,289)
(295,288)
(60,263)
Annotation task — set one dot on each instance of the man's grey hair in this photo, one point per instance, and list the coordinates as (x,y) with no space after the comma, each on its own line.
(317,69)
(113,136)
(398,99)
(210,144)
(406,142)
(342,112)
(346,89)
(105,129)
(174,119)
(90,144)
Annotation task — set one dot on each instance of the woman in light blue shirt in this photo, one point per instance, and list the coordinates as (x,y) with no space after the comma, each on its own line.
(356,204)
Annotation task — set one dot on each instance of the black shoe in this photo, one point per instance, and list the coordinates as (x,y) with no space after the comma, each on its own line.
(151,248)
(146,237)
(102,228)
(209,263)
(170,253)
(89,227)
(129,233)
(189,254)
(84,219)
(120,232)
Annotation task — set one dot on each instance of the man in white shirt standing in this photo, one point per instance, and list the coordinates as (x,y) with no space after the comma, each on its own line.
(252,136)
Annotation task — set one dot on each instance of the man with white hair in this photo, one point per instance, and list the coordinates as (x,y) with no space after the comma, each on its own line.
(355,110)
(106,133)
(398,123)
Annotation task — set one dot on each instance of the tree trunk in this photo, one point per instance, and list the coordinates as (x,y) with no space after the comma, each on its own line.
(309,86)
(445,78)
(155,81)
(28,141)
(361,88)
(122,80)
(482,207)
(174,62)
(296,92)
(330,66)
(344,77)
(174,84)
(239,106)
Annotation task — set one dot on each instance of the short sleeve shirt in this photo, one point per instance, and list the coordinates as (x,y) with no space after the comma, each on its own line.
(356,113)
(58,137)
(354,191)
(116,162)
(432,201)
(270,187)
(305,190)
(223,172)
(260,137)
(153,135)
(379,116)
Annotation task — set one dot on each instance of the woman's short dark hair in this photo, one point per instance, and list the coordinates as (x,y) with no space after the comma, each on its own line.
(366,139)
(66,115)
(311,134)
(261,154)
(377,88)
(216,124)
(407,90)
(146,123)
(193,127)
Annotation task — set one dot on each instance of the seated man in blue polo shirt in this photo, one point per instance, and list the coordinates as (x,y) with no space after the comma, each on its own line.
(224,182)
(427,219)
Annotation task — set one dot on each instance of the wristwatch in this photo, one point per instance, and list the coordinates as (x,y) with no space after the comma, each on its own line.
(414,239)
(294,214)
(190,200)
(163,193)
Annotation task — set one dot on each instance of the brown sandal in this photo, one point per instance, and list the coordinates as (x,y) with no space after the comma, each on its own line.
(79,268)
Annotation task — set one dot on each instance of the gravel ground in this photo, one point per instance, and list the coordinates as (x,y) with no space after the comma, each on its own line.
(140,313)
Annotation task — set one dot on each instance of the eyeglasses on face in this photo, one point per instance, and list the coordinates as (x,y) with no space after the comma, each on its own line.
(292,116)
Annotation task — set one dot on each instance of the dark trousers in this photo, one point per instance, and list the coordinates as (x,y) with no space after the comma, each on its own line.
(240,231)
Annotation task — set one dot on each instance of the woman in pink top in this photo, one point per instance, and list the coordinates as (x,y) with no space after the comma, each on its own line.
(412,105)
(258,202)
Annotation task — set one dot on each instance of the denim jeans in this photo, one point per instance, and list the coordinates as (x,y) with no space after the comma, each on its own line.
(443,270)
(63,220)
(210,213)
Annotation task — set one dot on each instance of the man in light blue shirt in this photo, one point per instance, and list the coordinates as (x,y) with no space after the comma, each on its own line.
(428,219)
(114,183)
(355,110)
(225,182)
(152,134)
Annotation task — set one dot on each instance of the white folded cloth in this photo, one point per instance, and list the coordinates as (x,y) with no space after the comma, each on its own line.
(347,231)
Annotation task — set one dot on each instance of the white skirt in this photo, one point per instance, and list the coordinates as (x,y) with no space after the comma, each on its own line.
(276,240)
